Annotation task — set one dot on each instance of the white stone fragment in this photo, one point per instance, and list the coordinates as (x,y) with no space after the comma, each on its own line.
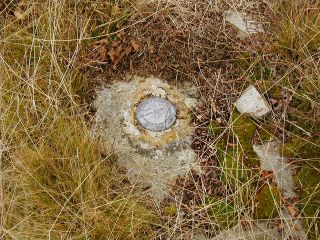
(252,103)
(271,160)
(244,23)
(254,232)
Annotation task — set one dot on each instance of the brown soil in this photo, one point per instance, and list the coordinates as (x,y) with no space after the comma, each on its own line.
(203,50)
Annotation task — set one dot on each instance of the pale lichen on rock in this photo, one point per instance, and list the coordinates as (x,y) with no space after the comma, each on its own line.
(245,24)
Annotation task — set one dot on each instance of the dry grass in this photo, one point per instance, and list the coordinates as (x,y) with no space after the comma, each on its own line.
(59,184)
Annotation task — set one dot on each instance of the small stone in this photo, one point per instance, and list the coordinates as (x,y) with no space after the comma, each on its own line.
(252,103)
(244,23)
(271,160)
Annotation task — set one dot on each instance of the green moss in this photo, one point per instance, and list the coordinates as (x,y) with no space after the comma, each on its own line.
(266,132)
(294,43)
(238,160)
(272,88)
(221,212)
(236,171)
(304,126)
(300,102)
(306,148)
(214,129)
(265,135)
(243,127)
(261,72)
(254,67)
(233,168)
(308,181)
(267,202)
(170,211)
(305,144)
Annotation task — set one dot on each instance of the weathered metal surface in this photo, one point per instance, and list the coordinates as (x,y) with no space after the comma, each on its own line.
(156,114)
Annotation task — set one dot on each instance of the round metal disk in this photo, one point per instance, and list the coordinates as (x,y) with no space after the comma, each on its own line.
(156,114)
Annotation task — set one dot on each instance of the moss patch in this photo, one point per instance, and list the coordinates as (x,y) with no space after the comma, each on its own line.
(243,127)
(222,212)
(308,181)
(238,159)
(214,129)
(266,133)
(268,202)
(233,167)
(170,211)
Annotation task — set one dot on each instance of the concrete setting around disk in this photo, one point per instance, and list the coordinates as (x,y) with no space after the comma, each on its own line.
(147,123)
